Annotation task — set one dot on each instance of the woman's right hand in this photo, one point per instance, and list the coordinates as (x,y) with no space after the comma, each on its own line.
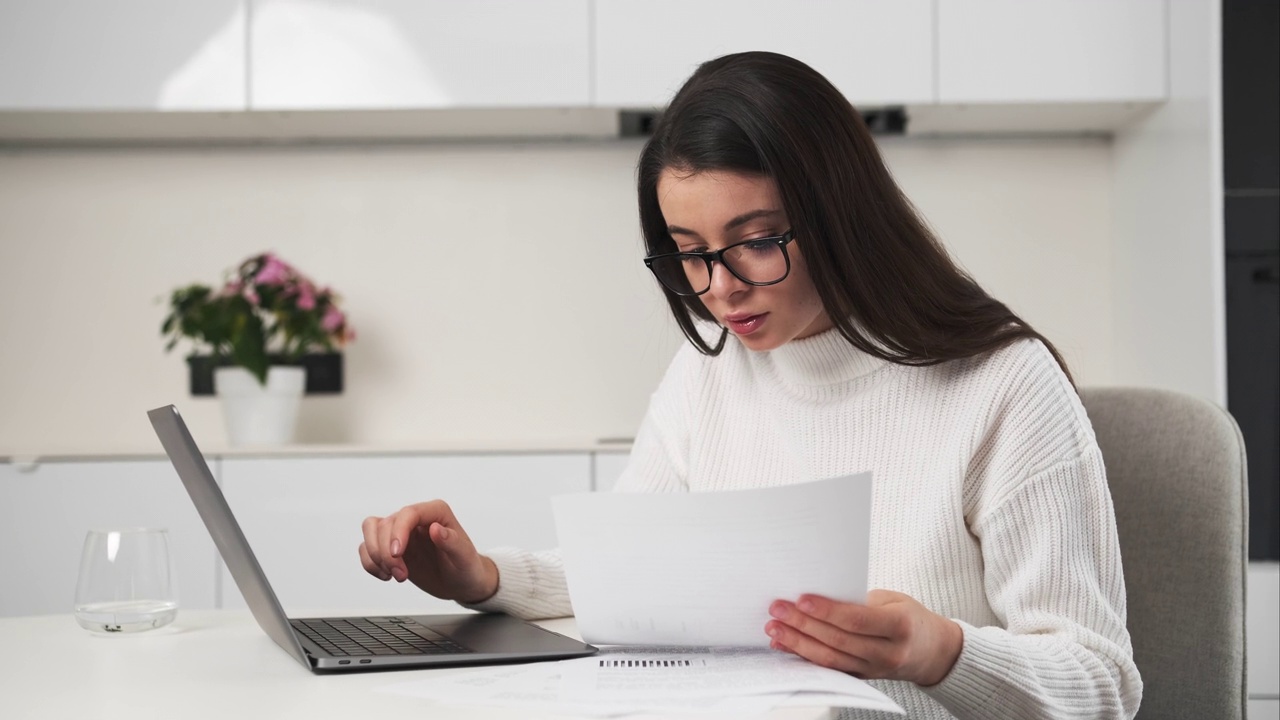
(425,545)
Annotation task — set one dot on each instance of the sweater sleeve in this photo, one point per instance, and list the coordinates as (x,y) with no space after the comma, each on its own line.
(1053,576)
(531,585)
(1042,512)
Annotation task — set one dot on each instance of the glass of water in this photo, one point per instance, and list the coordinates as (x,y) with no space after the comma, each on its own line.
(126,581)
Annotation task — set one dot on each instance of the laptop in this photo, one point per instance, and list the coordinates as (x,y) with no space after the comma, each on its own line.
(346,644)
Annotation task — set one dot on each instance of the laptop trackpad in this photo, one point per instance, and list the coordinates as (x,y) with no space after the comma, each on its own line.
(496,633)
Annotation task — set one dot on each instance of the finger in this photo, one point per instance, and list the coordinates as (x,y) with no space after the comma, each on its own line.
(392,563)
(883,620)
(456,545)
(870,648)
(785,637)
(411,517)
(371,545)
(370,566)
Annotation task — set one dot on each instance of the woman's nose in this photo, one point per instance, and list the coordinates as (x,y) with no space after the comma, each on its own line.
(725,284)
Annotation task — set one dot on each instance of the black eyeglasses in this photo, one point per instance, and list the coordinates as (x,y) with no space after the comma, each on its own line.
(759,261)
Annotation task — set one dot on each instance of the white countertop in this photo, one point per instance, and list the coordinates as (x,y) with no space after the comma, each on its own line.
(214,664)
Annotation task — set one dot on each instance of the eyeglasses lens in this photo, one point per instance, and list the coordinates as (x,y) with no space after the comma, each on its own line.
(759,263)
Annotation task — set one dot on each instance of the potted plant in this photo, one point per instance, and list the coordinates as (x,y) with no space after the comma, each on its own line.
(257,332)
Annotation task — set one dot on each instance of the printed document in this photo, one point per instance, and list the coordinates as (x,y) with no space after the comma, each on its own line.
(709,682)
(700,569)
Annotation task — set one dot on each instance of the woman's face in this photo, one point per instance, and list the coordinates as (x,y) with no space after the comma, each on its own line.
(709,210)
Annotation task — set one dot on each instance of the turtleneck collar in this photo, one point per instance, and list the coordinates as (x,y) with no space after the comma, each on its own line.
(819,360)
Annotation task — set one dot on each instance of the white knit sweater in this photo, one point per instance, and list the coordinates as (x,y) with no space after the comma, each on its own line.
(990,506)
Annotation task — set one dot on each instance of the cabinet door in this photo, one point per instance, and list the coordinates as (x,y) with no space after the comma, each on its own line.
(608,468)
(369,54)
(1014,51)
(876,52)
(46,509)
(122,55)
(303,516)
(1262,627)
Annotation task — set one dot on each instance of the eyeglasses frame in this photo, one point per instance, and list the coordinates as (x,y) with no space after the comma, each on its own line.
(710,256)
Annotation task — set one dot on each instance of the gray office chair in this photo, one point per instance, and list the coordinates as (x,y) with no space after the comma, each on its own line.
(1176,467)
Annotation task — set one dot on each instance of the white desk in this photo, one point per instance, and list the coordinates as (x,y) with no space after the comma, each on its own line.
(214,664)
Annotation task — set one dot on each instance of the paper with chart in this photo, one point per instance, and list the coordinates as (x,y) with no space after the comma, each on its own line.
(710,682)
(700,569)
(746,675)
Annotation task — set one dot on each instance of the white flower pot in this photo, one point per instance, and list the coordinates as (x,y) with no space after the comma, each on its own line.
(256,414)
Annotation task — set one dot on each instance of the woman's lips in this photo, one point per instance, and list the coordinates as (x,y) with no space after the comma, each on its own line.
(745,324)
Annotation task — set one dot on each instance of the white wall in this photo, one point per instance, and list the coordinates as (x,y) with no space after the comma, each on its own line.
(496,288)
(1170,318)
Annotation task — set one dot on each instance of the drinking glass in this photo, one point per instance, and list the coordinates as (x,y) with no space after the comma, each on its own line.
(126,581)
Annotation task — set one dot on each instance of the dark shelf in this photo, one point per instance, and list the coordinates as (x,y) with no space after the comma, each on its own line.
(324,373)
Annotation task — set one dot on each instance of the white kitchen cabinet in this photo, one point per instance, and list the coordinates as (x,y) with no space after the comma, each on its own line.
(302,516)
(1268,709)
(876,52)
(1047,51)
(46,509)
(404,54)
(1262,625)
(122,55)
(608,468)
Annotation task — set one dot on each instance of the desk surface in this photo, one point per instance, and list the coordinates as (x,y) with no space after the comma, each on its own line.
(214,664)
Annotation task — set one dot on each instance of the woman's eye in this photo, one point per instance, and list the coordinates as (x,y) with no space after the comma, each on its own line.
(761,245)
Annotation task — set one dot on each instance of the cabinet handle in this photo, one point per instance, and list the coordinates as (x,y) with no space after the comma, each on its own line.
(1265,276)
(25,464)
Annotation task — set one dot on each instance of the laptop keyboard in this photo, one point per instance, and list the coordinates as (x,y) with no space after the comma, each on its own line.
(360,637)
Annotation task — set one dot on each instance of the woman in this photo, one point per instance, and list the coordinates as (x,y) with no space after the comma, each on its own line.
(850,341)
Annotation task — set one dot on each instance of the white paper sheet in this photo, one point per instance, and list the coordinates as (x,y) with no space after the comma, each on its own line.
(737,683)
(636,674)
(700,569)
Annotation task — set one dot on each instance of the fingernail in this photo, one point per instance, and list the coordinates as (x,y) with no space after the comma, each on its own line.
(806,606)
(778,610)
(395,548)
(773,631)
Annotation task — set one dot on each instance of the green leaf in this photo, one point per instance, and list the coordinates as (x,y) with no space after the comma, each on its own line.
(248,346)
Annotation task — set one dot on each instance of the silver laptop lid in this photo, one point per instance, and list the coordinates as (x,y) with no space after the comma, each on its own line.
(212,506)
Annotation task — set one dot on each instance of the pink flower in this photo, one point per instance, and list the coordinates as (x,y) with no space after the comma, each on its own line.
(333,319)
(273,271)
(306,297)
(252,296)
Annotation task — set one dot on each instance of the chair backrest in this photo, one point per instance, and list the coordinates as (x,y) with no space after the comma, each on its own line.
(1176,468)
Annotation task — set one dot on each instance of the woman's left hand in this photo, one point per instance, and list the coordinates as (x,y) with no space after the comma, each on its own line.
(891,637)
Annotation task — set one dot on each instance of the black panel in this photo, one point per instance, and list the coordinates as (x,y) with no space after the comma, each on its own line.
(1251,159)
(1253,389)
(1253,224)
(324,373)
(1250,101)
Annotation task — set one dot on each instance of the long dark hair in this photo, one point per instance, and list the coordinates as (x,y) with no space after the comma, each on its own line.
(884,279)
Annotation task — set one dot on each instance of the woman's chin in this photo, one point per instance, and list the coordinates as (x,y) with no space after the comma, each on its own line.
(760,342)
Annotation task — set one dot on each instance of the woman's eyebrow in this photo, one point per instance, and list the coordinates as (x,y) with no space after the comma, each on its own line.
(748,217)
(739,220)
